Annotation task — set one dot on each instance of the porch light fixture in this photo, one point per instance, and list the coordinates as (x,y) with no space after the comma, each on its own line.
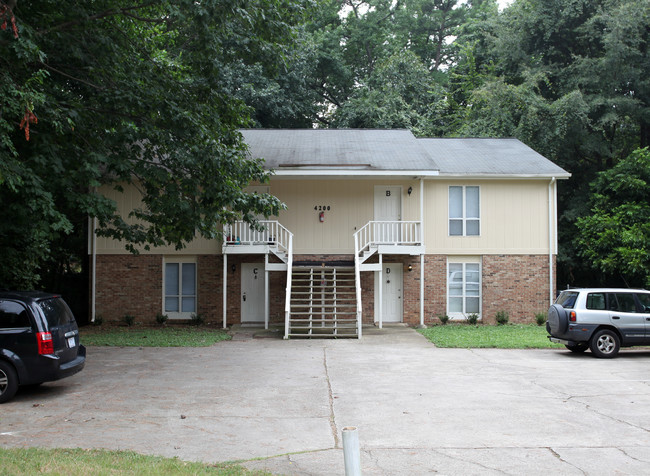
(410,267)
(233,268)
(409,192)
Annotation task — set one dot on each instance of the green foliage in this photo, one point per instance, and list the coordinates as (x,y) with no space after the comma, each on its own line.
(615,237)
(502,317)
(472,319)
(129,320)
(197,319)
(516,336)
(128,94)
(28,461)
(169,336)
(161,319)
(540,318)
(444,318)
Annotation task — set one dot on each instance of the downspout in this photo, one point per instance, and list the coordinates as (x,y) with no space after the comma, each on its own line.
(225,287)
(422,256)
(552,223)
(92,235)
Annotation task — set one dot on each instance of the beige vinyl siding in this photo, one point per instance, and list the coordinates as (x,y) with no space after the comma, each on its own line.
(514,218)
(131,199)
(514,215)
(351,205)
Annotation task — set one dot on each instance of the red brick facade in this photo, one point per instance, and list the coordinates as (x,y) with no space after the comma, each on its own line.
(127,284)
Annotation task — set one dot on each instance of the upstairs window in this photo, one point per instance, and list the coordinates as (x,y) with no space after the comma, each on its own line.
(464,211)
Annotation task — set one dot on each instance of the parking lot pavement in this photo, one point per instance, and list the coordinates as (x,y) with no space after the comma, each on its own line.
(281,405)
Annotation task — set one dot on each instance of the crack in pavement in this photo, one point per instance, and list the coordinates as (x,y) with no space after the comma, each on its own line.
(335,432)
(559,458)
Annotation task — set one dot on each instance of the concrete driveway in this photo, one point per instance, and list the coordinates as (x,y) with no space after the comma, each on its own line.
(281,405)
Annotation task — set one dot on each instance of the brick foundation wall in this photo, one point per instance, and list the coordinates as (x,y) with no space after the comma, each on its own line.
(517,284)
(128,284)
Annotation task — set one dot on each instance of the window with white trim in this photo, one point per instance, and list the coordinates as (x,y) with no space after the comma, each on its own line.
(464,210)
(463,289)
(180,288)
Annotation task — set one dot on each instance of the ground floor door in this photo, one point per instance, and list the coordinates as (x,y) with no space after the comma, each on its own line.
(392,286)
(252,292)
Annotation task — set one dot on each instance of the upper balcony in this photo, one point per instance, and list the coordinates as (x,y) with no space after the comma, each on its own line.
(389,237)
(271,237)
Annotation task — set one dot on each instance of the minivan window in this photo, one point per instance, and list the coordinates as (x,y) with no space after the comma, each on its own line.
(12,315)
(567,299)
(56,311)
(596,301)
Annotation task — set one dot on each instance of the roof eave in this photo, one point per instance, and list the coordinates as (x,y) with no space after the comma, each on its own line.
(353,173)
(559,176)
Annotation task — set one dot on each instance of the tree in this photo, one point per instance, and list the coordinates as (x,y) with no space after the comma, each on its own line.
(115,92)
(615,237)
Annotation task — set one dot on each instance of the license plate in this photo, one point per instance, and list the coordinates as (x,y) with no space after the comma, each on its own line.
(71,342)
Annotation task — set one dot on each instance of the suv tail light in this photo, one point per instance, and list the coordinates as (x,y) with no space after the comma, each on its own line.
(45,344)
(572,316)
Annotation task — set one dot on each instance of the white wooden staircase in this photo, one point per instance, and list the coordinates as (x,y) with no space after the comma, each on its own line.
(323,302)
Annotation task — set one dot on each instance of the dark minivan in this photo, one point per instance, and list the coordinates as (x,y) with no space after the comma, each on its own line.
(39,340)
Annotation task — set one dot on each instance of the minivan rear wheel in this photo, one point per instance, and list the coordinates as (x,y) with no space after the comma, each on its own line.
(605,344)
(8,381)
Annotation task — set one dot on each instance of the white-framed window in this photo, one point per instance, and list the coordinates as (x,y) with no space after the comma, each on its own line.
(463,289)
(464,210)
(180,288)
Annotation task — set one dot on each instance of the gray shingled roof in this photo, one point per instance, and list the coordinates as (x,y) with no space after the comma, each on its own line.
(352,149)
(370,151)
(489,157)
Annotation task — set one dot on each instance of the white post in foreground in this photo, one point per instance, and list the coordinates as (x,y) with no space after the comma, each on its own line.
(351,455)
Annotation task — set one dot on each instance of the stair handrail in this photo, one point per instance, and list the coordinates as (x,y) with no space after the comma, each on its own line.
(287,303)
(357,278)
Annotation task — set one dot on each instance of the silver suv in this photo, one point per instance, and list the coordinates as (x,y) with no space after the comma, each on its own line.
(600,319)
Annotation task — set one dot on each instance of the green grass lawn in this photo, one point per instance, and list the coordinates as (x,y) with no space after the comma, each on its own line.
(170,336)
(73,462)
(510,336)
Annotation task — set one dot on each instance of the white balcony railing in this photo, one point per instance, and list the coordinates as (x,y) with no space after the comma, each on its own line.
(271,233)
(376,233)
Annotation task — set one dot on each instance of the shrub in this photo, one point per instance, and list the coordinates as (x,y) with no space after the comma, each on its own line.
(540,318)
(443,318)
(472,319)
(129,319)
(197,319)
(161,318)
(502,317)
(99,320)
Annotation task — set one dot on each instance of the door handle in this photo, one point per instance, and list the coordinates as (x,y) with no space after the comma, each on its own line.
(647,318)
(244,297)
(615,317)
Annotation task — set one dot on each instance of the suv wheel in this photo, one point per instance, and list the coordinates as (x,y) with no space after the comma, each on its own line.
(578,348)
(605,344)
(8,381)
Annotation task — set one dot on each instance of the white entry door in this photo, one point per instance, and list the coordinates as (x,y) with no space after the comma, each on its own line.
(388,210)
(392,285)
(252,292)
